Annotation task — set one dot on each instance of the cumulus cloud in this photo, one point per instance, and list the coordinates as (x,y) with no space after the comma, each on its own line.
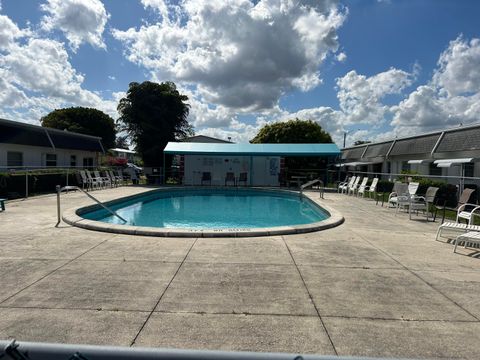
(82,21)
(451,98)
(341,57)
(9,32)
(238,54)
(36,76)
(360,96)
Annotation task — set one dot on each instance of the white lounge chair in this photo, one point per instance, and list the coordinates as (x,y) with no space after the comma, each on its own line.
(423,203)
(353,187)
(372,189)
(363,185)
(103,180)
(462,214)
(94,181)
(85,182)
(470,237)
(343,187)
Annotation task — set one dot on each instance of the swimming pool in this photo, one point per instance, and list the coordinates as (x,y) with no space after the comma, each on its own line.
(203,212)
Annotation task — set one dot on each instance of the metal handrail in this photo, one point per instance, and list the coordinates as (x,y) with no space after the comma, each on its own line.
(66,188)
(311,183)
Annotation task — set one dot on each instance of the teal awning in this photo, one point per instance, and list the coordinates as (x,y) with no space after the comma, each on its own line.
(185,148)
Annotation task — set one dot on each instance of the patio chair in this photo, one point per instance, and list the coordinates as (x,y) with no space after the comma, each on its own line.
(115,179)
(123,179)
(462,214)
(94,182)
(343,187)
(470,237)
(206,176)
(230,177)
(353,188)
(423,203)
(102,179)
(84,180)
(242,178)
(463,199)
(372,189)
(362,187)
(403,202)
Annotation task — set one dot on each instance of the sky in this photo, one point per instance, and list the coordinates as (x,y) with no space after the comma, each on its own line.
(370,69)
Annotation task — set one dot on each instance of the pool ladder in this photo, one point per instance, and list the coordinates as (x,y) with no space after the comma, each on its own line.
(67,188)
(321,187)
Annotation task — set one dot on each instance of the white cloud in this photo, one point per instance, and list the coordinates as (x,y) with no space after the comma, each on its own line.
(453,95)
(9,32)
(360,97)
(36,77)
(458,68)
(341,57)
(238,54)
(82,21)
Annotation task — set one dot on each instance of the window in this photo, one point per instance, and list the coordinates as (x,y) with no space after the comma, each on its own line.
(87,162)
(51,160)
(405,166)
(14,158)
(73,160)
(469,169)
(433,169)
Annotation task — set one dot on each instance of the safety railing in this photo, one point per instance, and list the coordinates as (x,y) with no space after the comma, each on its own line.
(321,186)
(25,181)
(67,188)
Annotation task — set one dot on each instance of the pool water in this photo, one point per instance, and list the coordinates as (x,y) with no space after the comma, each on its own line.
(214,209)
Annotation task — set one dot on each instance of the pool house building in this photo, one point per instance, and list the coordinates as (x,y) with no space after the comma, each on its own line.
(449,154)
(241,164)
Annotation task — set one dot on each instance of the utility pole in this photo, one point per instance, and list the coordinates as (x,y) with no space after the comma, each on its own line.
(344,138)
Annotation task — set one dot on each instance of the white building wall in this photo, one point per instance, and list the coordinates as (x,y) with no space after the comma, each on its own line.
(262,172)
(34,156)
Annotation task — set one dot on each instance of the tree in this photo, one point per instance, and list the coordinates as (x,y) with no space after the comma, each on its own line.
(292,132)
(121,142)
(153,114)
(83,120)
(295,132)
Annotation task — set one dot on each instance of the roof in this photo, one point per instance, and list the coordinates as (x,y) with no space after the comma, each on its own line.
(205,139)
(14,132)
(464,138)
(128,151)
(252,149)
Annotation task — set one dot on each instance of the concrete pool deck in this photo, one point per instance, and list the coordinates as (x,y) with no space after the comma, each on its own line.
(377,285)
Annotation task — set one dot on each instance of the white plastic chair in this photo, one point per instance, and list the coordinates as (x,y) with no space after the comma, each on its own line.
(362,187)
(343,187)
(353,187)
(372,189)
(462,214)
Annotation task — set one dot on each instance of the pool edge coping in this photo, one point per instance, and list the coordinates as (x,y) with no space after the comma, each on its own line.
(71,217)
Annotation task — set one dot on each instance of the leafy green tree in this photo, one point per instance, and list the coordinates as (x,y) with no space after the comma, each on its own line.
(83,120)
(121,142)
(292,132)
(295,132)
(153,114)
